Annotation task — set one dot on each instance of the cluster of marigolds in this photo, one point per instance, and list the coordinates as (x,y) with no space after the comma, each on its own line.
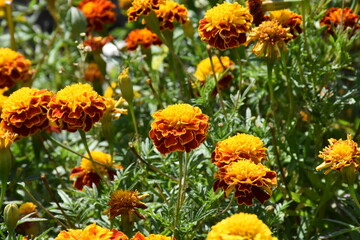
(177,128)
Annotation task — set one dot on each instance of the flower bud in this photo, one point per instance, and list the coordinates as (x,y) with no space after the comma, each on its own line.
(125,85)
(11,216)
(6,163)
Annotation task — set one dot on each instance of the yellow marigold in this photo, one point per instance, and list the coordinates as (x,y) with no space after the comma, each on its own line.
(98,13)
(25,111)
(339,154)
(225,25)
(143,37)
(139,236)
(142,7)
(28,228)
(271,38)
(288,19)
(92,172)
(3,97)
(249,180)
(92,232)
(239,147)
(97,43)
(257,11)
(335,17)
(76,107)
(6,138)
(169,12)
(179,127)
(93,73)
(14,67)
(125,4)
(125,202)
(241,226)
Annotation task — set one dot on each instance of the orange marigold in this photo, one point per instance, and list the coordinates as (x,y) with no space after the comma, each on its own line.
(169,12)
(92,172)
(14,67)
(97,43)
(142,7)
(249,180)
(340,154)
(179,127)
(288,19)
(93,73)
(25,111)
(271,38)
(257,11)
(92,232)
(76,107)
(225,25)
(139,236)
(28,228)
(239,147)
(335,17)
(143,37)
(98,13)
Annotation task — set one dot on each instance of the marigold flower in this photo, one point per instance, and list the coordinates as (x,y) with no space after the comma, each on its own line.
(76,107)
(249,180)
(98,13)
(143,37)
(339,154)
(97,43)
(179,127)
(25,111)
(125,4)
(139,236)
(142,7)
(240,226)
(125,202)
(91,232)
(93,73)
(28,228)
(14,67)
(225,25)
(335,17)
(6,138)
(256,10)
(239,147)
(169,12)
(271,37)
(92,172)
(288,19)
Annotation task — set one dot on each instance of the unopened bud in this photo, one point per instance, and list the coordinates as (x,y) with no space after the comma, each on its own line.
(11,216)
(6,163)
(126,86)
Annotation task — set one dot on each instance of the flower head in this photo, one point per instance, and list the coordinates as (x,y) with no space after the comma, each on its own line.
(271,37)
(14,67)
(76,107)
(28,228)
(142,7)
(97,43)
(288,19)
(139,236)
(91,232)
(257,11)
(335,17)
(241,226)
(340,154)
(179,127)
(25,111)
(90,172)
(169,12)
(249,180)
(98,13)
(6,138)
(93,73)
(143,37)
(225,25)
(125,202)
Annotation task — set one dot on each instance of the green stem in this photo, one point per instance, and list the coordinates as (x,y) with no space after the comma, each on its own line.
(289,84)
(178,203)
(353,195)
(10,21)
(183,189)
(127,224)
(133,117)
(3,191)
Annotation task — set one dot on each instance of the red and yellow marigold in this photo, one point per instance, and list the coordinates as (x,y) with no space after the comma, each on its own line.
(142,7)
(179,127)
(140,236)
(143,37)
(25,111)
(98,13)
(345,17)
(288,19)
(225,25)
(169,12)
(28,228)
(97,43)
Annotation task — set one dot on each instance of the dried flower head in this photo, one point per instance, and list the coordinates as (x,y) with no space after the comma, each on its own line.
(93,73)
(241,226)
(336,17)
(257,11)
(169,12)
(6,138)
(90,172)
(98,13)
(143,37)
(92,232)
(339,154)
(76,107)
(179,127)
(3,97)
(142,7)
(249,180)
(139,236)
(125,4)
(225,25)
(25,111)
(14,67)
(97,43)
(239,147)
(28,228)
(271,38)
(125,202)
(288,19)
